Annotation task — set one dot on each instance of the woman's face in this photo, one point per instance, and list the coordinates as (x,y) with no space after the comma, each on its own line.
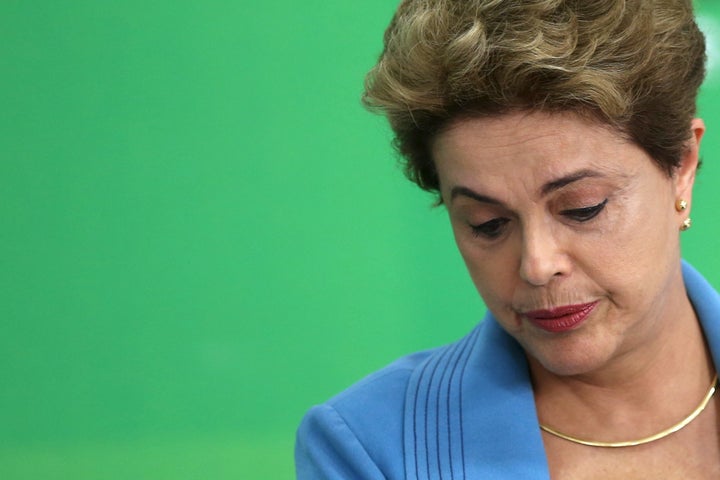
(569,232)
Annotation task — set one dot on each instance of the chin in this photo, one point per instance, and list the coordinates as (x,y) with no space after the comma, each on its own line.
(567,361)
(567,369)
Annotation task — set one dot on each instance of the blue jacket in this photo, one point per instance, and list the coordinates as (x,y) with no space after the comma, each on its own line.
(463,411)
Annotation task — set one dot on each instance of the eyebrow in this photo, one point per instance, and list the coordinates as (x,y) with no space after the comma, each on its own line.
(466,192)
(566,180)
(546,189)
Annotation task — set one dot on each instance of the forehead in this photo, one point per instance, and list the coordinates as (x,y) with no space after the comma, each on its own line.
(522,129)
(527,146)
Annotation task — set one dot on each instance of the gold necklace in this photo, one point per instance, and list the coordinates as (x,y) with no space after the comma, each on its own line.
(631,443)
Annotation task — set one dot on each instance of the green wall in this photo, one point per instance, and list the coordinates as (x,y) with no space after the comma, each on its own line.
(203,232)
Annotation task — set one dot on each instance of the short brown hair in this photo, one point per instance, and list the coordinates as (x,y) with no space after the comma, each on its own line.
(635,65)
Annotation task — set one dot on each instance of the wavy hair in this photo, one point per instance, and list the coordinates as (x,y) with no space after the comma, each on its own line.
(635,65)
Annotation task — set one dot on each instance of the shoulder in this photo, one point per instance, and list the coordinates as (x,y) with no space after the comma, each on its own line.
(409,417)
(383,385)
(359,432)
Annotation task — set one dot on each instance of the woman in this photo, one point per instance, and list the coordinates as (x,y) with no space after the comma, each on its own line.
(561,138)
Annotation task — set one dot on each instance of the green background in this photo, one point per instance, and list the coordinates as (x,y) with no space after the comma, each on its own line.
(203,232)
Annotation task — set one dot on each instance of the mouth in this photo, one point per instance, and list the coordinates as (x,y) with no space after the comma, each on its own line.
(560,319)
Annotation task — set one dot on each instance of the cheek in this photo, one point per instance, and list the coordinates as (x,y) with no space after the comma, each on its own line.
(493,272)
(642,247)
(632,259)
(469,254)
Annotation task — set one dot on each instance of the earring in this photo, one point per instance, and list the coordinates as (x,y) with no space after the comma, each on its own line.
(680,205)
(686,224)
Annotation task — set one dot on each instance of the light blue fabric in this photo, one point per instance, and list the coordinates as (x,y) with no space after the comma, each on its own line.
(463,411)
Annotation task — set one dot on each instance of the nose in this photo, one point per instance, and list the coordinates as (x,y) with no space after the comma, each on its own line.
(543,257)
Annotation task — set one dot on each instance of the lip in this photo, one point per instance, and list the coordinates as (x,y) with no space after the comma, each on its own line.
(560,319)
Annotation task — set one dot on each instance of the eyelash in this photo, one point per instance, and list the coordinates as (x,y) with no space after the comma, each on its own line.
(493,229)
(586,213)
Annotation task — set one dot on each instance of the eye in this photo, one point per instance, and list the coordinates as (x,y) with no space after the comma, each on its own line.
(586,213)
(491,229)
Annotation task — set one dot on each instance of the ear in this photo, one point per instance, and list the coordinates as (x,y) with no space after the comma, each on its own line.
(684,176)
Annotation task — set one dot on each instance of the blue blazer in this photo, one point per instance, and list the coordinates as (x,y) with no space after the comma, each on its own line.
(463,411)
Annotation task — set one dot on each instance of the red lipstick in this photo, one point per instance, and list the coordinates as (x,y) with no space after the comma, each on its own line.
(560,319)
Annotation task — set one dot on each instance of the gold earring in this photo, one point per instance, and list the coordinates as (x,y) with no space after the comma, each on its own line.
(687,223)
(680,205)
